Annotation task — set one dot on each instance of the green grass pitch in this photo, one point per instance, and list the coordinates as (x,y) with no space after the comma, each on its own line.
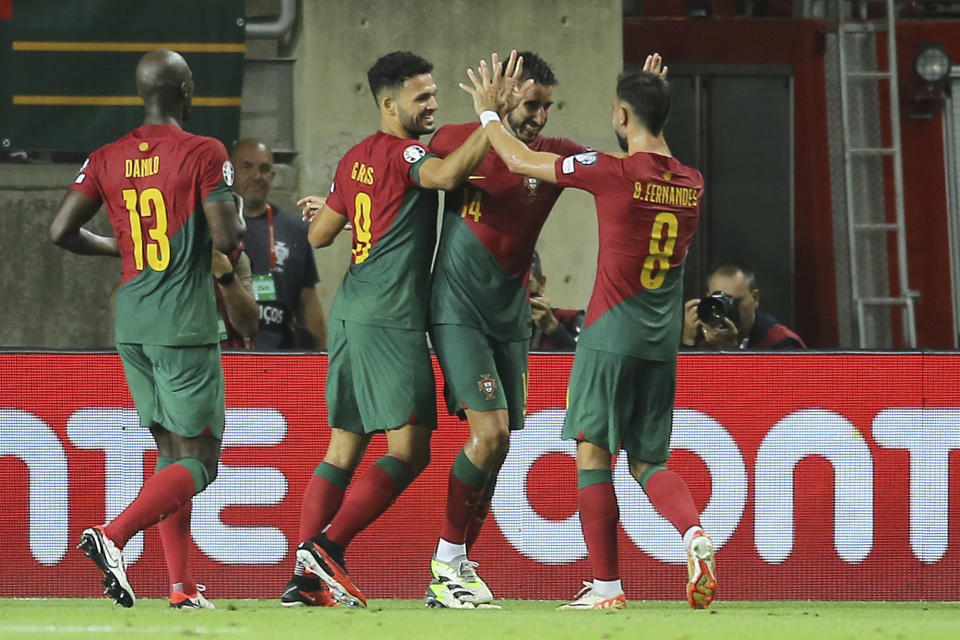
(520,620)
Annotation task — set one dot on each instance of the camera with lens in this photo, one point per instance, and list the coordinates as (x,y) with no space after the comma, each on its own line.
(718,305)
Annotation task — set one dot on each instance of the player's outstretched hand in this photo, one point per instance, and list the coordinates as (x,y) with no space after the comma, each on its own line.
(493,87)
(654,64)
(311,206)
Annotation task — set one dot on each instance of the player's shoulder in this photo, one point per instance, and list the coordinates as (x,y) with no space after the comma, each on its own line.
(453,133)
(559,146)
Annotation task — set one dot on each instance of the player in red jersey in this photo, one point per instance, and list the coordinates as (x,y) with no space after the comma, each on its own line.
(480,320)
(624,374)
(167,194)
(380,377)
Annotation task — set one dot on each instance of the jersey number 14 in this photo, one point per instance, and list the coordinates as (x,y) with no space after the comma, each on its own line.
(147,203)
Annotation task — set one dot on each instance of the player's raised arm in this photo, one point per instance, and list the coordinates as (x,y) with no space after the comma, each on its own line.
(449,172)
(67,230)
(489,101)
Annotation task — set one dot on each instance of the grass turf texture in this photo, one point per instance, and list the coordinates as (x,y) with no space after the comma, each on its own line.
(523,620)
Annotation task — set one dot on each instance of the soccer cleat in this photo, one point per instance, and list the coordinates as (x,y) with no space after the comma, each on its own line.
(180,600)
(463,573)
(323,558)
(587,600)
(307,591)
(98,547)
(448,595)
(701,572)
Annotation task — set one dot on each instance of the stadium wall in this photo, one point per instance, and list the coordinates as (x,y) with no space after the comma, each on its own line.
(801,45)
(821,476)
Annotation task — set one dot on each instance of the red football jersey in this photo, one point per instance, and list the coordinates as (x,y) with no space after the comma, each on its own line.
(648,206)
(153,183)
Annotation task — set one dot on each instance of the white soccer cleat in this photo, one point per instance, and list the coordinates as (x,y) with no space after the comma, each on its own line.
(109,559)
(701,571)
(462,572)
(588,599)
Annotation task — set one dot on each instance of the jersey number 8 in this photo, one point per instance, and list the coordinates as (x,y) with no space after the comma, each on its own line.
(150,202)
(657,264)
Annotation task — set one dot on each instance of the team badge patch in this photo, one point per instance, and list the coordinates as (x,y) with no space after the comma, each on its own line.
(488,386)
(413,153)
(586,159)
(532,184)
(228,173)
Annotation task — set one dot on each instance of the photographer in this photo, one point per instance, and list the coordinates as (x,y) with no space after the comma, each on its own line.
(552,329)
(727,318)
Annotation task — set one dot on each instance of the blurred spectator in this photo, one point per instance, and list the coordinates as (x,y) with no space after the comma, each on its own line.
(553,329)
(284,273)
(239,312)
(737,324)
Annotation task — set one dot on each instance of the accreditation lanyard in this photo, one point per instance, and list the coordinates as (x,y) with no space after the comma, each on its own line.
(270,237)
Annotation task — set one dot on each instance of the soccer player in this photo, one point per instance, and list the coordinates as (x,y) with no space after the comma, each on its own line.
(380,377)
(480,320)
(622,385)
(167,194)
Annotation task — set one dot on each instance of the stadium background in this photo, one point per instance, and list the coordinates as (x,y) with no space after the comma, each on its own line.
(824,477)
(64,464)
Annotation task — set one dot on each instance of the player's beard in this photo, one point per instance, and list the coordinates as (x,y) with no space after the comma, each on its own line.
(521,130)
(622,141)
(415,125)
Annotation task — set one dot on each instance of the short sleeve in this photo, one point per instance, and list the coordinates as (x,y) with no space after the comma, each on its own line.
(216,172)
(588,171)
(335,199)
(411,155)
(87,182)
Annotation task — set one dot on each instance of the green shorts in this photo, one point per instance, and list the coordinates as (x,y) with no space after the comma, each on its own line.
(617,400)
(178,388)
(480,372)
(379,378)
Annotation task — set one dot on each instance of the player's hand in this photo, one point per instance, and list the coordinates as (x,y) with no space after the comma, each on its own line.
(653,64)
(691,323)
(311,206)
(221,264)
(493,86)
(542,314)
(721,337)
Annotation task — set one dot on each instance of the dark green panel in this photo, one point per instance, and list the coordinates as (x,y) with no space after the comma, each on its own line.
(129,20)
(41,72)
(86,128)
(100,73)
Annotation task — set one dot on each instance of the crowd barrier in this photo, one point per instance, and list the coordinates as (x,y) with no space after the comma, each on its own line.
(821,476)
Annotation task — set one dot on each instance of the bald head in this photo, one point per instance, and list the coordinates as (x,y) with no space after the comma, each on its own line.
(253,163)
(165,83)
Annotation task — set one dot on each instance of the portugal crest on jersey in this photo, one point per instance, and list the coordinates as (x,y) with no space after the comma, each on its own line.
(531,186)
(488,386)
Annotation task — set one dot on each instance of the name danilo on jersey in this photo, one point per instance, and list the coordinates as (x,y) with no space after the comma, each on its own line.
(665,194)
(141,167)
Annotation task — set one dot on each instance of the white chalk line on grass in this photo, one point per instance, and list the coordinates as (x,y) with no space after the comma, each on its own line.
(107,628)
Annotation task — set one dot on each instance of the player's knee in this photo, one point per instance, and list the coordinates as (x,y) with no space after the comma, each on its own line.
(494,442)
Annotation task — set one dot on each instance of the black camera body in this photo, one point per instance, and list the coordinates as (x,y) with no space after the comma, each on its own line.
(719,305)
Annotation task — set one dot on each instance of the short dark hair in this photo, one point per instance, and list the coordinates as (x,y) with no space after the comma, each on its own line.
(728,269)
(391,70)
(648,96)
(536,267)
(534,67)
